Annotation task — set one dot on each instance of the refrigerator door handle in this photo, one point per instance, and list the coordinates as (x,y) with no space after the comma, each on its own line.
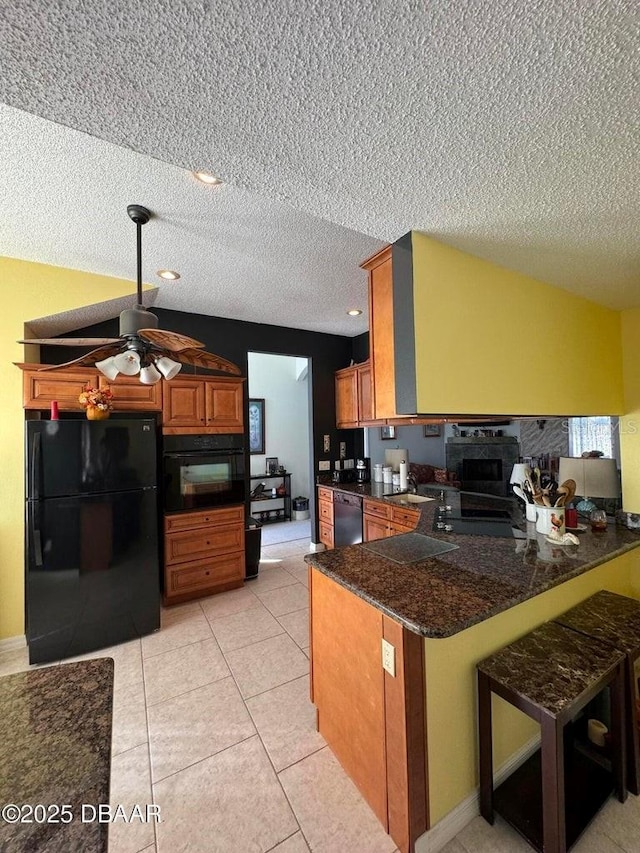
(36,452)
(36,536)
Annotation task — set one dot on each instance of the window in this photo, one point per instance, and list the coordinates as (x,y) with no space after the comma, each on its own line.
(591,434)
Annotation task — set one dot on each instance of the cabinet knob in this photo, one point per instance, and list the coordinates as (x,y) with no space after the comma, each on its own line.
(206,573)
(208,543)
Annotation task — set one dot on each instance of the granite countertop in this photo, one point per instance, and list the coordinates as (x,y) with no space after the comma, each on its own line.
(55,749)
(485,575)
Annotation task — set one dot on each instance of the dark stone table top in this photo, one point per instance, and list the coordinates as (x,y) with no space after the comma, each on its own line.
(551,667)
(443,595)
(609,617)
(55,749)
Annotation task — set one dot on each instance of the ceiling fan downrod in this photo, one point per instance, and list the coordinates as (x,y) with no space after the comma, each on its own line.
(134,319)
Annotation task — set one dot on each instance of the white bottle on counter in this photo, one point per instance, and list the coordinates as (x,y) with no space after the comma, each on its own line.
(404,483)
(387,474)
(377,472)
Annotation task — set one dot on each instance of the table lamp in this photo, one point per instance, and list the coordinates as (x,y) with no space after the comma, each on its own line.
(595,478)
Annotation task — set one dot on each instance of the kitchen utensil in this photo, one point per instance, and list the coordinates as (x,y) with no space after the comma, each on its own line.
(520,493)
(565,493)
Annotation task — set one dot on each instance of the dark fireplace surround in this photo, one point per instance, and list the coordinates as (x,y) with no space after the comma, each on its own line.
(483,463)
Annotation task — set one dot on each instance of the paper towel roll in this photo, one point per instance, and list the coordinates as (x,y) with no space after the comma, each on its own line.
(403,474)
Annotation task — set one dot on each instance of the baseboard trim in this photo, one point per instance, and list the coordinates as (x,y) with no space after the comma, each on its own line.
(10,644)
(455,821)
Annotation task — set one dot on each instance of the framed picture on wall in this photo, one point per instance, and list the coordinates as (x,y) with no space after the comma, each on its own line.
(387,432)
(256,425)
(271,465)
(432,430)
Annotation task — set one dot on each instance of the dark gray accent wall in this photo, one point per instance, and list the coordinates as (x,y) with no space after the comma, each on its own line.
(403,326)
(233,339)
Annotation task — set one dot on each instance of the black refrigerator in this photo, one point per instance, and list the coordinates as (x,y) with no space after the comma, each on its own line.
(92,562)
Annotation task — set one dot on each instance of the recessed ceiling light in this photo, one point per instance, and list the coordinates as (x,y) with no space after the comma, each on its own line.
(168,275)
(207,178)
(354,312)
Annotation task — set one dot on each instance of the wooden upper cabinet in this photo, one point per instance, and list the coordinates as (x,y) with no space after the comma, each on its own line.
(381,335)
(40,388)
(183,403)
(354,406)
(223,404)
(346,398)
(203,405)
(130,395)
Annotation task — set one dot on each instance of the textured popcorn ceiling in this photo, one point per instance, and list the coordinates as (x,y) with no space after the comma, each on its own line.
(509,129)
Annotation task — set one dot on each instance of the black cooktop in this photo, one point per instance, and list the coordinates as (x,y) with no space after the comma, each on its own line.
(470,519)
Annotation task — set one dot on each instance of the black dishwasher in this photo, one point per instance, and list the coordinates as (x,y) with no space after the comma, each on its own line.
(347,519)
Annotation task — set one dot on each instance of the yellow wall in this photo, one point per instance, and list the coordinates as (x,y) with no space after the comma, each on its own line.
(29,291)
(489,340)
(630,423)
(451,682)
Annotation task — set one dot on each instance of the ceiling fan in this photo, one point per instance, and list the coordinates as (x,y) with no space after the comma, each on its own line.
(142,347)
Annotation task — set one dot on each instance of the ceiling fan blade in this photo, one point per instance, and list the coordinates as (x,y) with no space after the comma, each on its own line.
(88,358)
(172,341)
(207,359)
(72,342)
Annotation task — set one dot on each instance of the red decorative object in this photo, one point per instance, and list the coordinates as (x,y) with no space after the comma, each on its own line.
(54,410)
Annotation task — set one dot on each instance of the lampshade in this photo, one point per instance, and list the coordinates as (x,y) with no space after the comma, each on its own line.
(520,473)
(149,375)
(168,367)
(127,362)
(595,478)
(108,367)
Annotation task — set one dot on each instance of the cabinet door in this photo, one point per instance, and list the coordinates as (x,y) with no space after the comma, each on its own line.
(183,403)
(200,577)
(64,386)
(365,394)
(326,534)
(325,512)
(346,398)
(223,404)
(374,528)
(130,395)
(381,335)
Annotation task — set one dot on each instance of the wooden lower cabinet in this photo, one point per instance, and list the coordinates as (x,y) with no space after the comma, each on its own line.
(380,520)
(373,722)
(325,516)
(203,553)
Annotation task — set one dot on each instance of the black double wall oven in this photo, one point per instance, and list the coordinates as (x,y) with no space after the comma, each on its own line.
(202,471)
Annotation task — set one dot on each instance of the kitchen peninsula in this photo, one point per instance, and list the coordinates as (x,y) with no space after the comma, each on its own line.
(411,746)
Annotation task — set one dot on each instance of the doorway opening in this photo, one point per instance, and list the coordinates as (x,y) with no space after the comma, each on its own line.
(280,446)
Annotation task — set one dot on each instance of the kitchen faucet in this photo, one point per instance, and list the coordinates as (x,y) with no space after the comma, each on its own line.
(412,484)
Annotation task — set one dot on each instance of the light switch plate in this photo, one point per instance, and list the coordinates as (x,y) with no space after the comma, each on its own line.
(343,449)
(389,658)
(327,444)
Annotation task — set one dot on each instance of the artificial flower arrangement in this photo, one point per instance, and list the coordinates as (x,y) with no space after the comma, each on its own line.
(100,398)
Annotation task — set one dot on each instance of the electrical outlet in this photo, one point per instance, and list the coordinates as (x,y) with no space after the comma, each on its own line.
(327,444)
(343,449)
(324,465)
(389,658)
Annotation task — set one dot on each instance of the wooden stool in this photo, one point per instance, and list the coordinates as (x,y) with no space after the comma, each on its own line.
(615,619)
(550,675)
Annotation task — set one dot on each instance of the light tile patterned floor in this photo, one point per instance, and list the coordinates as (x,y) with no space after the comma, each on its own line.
(212,721)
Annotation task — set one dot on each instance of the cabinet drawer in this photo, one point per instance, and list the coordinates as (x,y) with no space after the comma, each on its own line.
(325,511)
(204,574)
(325,495)
(203,518)
(196,544)
(380,510)
(395,529)
(326,534)
(406,517)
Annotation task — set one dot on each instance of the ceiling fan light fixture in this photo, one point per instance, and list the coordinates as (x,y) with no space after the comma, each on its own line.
(168,367)
(207,178)
(168,275)
(108,367)
(127,362)
(149,375)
